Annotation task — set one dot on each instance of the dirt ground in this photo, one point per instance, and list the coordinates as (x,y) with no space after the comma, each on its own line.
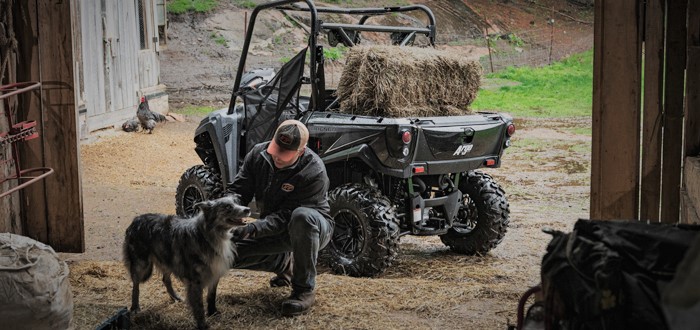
(545,175)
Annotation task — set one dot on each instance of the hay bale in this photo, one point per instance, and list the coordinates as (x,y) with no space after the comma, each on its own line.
(396,81)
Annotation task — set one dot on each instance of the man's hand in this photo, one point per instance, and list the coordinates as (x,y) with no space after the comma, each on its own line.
(243,232)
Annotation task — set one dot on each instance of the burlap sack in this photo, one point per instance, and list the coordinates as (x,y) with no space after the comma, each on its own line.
(34,285)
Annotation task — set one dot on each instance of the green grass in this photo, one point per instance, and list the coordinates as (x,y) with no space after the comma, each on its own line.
(581,130)
(334,53)
(199,6)
(219,39)
(247,4)
(562,89)
(192,110)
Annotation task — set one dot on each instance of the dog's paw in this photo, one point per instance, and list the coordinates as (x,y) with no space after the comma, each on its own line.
(213,312)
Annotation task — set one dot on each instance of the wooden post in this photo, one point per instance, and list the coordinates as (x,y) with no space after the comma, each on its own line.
(652,114)
(616,104)
(488,45)
(53,207)
(692,97)
(673,111)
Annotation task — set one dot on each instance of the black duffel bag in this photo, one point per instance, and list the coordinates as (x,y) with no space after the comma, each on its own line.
(609,274)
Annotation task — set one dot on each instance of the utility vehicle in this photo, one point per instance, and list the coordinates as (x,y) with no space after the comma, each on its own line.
(389,177)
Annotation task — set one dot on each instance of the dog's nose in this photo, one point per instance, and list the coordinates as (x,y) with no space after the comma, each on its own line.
(246,211)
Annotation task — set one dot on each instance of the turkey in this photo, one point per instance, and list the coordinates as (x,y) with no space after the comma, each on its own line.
(148,118)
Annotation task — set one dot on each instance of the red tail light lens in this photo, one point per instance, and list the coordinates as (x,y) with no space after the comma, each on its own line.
(406,137)
(510,130)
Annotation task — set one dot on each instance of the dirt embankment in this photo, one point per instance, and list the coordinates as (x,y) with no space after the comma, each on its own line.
(199,64)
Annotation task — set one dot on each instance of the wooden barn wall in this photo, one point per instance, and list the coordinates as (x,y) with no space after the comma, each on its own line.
(114,69)
(616,109)
(691,176)
(52,207)
(640,127)
(93,89)
(149,65)
(10,215)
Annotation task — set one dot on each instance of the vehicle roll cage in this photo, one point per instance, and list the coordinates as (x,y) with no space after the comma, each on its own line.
(405,33)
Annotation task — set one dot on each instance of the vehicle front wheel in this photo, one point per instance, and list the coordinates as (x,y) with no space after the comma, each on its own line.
(199,183)
(366,235)
(482,219)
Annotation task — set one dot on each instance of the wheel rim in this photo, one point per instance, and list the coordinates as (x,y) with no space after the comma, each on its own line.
(467,216)
(190,197)
(348,237)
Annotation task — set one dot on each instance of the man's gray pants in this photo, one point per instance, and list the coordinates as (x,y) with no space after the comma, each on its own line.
(307,232)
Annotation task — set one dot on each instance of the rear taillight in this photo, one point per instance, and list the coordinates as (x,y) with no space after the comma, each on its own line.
(406,137)
(510,130)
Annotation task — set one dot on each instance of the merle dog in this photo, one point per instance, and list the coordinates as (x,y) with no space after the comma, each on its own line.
(197,250)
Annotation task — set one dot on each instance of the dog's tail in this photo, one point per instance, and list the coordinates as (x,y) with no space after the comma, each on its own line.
(136,256)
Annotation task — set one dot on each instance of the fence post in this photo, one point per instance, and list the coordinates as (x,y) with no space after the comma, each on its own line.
(551,39)
(488,45)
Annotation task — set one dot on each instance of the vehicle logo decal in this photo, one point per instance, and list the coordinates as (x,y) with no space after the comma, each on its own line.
(287,187)
(463,150)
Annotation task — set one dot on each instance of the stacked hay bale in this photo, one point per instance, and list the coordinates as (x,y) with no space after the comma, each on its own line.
(391,81)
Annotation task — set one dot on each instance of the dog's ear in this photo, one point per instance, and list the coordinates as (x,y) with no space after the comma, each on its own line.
(236,198)
(203,206)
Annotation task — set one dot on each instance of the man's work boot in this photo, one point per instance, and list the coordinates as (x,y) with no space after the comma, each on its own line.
(284,278)
(299,302)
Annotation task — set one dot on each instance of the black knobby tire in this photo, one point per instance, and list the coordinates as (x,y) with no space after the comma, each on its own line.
(366,235)
(197,184)
(482,221)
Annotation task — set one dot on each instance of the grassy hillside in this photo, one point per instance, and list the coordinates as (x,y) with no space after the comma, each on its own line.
(559,90)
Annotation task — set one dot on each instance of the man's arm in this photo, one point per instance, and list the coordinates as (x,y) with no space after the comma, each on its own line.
(244,182)
(310,193)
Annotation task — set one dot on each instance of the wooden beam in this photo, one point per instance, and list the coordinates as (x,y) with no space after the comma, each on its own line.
(691,192)
(616,104)
(53,209)
(63,190)
(650,198)
(34,208)
(692,97)
(673,111)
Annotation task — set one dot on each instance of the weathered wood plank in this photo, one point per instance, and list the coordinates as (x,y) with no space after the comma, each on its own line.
(652,113)
(692,111)
(93,63)
(689,212)
(691,179)
(616,104)
(691,192)
(60,134)
(673,111)
(111,118)
(34,205)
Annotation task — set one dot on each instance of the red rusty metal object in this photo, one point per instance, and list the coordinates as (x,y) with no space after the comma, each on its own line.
(22,131)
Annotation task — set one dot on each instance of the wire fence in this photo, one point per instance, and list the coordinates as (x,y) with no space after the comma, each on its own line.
(533,47)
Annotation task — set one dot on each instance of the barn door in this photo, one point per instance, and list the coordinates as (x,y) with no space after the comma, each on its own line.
(120,55)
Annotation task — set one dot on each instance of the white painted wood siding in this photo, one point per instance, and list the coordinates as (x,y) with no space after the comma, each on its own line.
(114,68)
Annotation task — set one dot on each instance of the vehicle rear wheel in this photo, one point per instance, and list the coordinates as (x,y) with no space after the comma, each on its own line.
(199,183)
(366,235)
(482,220)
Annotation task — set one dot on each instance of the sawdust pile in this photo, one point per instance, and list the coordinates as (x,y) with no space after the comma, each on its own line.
(392,81)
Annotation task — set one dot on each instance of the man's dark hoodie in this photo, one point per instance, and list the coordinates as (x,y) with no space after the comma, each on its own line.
(278,192)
